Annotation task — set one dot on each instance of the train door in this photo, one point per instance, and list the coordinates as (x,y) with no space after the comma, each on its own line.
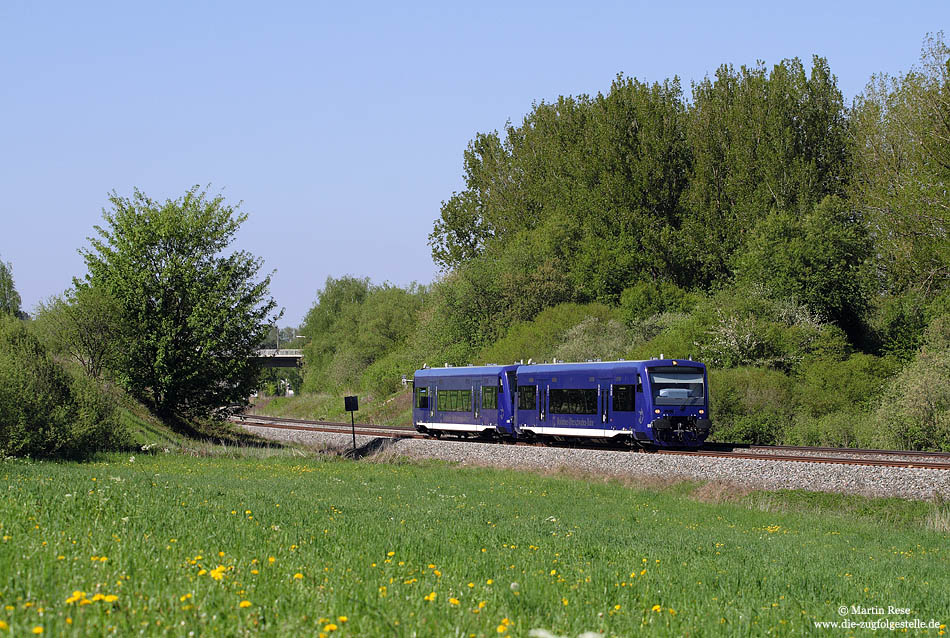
(476,400)
(528,407)
(604,414)
(641,406)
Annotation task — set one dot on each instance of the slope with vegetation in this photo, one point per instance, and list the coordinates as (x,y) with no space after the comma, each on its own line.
(798,246)
(152,346)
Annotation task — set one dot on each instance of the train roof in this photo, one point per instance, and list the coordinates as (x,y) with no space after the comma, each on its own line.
(602,366)
(463,371)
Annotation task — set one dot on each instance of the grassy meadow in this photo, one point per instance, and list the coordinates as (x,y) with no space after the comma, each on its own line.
(283,544)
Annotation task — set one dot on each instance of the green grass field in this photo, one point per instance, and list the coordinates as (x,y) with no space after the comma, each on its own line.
(289,545)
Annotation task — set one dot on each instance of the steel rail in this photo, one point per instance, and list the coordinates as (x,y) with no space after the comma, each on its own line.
(742,453)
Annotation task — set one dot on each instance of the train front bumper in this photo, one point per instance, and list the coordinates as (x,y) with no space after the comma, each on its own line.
(681,429)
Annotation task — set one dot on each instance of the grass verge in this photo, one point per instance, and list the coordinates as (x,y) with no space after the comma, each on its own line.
(170,544)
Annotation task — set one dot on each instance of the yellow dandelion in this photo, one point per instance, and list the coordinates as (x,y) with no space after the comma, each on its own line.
(471,585)
(255,572)
(453,601)
(390,554)
(481,604)
(617,607)
(271,559)
(501,629)
(329,627)
(298,576)
(97,598)
(430,597)
(657,608)
(564,601)
(37,630)
(110,598)
(202,572)
(342,618)
(244,603)
(4,625)
(489,581)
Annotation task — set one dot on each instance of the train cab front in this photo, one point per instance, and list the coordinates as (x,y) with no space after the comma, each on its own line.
(679,403)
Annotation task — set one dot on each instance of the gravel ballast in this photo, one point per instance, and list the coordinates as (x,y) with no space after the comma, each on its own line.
(910,483)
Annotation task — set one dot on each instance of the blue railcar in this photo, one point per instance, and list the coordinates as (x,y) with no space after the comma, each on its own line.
(466,400)
(660,402)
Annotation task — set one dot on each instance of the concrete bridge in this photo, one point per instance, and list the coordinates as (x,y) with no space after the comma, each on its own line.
(282,358)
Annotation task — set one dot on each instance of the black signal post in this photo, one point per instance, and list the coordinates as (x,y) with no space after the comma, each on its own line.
(352,404)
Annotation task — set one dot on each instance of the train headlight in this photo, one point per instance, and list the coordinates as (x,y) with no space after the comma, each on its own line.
(702,412)
(657,411)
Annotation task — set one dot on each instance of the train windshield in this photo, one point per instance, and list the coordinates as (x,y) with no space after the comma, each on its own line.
(677,385)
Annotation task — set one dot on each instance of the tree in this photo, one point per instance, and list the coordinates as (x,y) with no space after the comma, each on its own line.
(191,317)
(760,142)
(900,136)
(9,297)
(820,259)
(83,325)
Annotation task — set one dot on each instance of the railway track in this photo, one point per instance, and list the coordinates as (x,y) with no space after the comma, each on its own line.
(824,455)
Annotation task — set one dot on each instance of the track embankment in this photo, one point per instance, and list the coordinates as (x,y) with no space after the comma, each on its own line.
(906,475)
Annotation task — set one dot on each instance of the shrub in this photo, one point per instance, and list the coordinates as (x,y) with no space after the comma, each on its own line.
(648,298)
(384,376)
(746,326)
(44,411)
(915,410)
(850,386)
(749,405)
(540,338)
(853,428)
(593,338)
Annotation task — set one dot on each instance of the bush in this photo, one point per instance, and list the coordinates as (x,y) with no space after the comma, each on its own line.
(648,298)
(593,338)
(44,411)
(540,338)
(915,410)
(749,405)
(746,326)
(384,376)
(850,386)
(836,429)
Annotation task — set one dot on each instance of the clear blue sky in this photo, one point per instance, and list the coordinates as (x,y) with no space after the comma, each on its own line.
(341,126)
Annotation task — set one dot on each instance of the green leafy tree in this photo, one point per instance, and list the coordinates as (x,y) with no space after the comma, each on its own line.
(900,141)
(191,316)
(83,325)
(820,258)
(760,141)
(9,297)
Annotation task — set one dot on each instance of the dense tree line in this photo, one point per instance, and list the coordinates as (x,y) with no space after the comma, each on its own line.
(796,244)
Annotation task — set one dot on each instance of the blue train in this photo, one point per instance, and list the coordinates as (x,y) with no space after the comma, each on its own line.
(655,403)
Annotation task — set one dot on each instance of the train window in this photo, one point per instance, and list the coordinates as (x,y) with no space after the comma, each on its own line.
(623,398)
(455,400)
(526,397)
(677,385)
(422,398)
(639,384)
(573,401)
(489,398)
